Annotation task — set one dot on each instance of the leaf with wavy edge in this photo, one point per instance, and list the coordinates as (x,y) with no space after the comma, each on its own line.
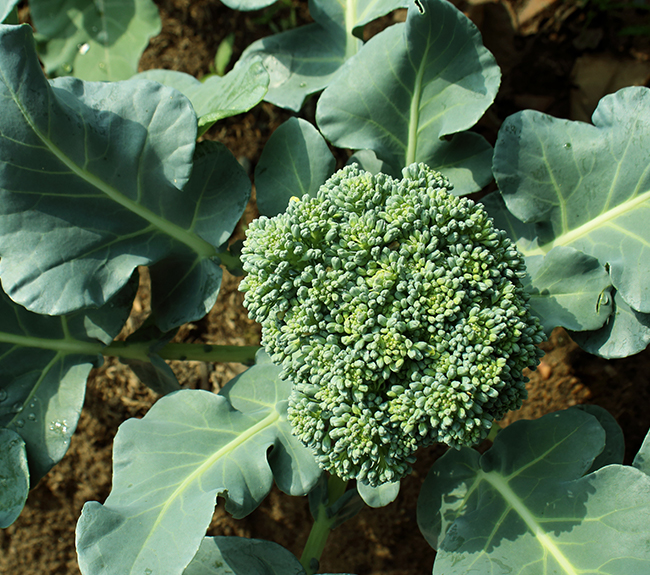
(89,184)
(170,466)
(567,288)
(527,507)
(304,60)
(95,41)
(44,362)
(216,98)
(412,85)
(585,186)
(294,162)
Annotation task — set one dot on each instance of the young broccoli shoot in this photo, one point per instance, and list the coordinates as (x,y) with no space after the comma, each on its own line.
(398,312)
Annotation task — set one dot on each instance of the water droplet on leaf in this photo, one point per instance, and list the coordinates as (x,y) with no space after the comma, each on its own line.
(3,394)
(31,417)
(83,48)
(59,427)
(17,407)
(20,423)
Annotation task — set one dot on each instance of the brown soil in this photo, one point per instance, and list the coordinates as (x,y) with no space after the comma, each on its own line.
(540,45)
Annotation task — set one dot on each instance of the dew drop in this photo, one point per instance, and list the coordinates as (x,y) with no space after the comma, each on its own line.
(20,423)
(83,48)
(67,68)
(59,427)
(3,394)
(303,84)
(148,571)
(567,145)
(102,65)
(31,417)
(17,407)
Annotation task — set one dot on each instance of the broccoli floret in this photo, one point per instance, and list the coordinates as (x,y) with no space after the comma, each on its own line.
(398,312)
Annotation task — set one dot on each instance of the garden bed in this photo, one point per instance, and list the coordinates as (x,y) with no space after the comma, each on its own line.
(553,56)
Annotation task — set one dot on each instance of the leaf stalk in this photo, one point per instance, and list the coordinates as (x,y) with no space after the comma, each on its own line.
(183,351)
(322,526)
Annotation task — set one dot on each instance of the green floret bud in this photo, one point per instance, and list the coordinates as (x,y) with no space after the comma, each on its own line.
(398,312)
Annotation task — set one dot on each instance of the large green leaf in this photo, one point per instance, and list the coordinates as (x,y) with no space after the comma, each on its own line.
(304,60)
(217,97)
(185,287)
(294,162)
(585,186)
(89,187)
(14,476)
(567,288)
(97,41)
(526,505)
(240,556)
(412,85)
(44,362)
(170,466)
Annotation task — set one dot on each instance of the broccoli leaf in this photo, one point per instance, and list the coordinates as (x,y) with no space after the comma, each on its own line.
(89,188)
(304,60)
(45,362)
(569,288)
(6,6)
(153,371)
(170,466)
(241,556)
(412,85)
(614,449)
(14,476)
(96,41)
(530,501)
(379,496)
(294,162)
(217,97)
(642,459)
(626,332)
(585,186)
(245,5)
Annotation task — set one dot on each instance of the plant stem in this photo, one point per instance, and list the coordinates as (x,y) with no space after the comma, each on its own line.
(493,431)
(321,528)
(184,351)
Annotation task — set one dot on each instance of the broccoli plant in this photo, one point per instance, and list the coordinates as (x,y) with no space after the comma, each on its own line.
(398,312)
(395,312)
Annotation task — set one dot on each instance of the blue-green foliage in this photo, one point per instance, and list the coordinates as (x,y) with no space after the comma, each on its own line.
(398,312)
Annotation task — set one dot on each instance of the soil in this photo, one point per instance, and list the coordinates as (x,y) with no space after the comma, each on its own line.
(557,56)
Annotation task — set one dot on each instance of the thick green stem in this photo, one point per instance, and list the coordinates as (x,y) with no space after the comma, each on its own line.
(232,262)
(184,351)
(321,528)
(493,431)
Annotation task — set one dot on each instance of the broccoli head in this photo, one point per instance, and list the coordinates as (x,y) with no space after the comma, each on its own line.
(398,312)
